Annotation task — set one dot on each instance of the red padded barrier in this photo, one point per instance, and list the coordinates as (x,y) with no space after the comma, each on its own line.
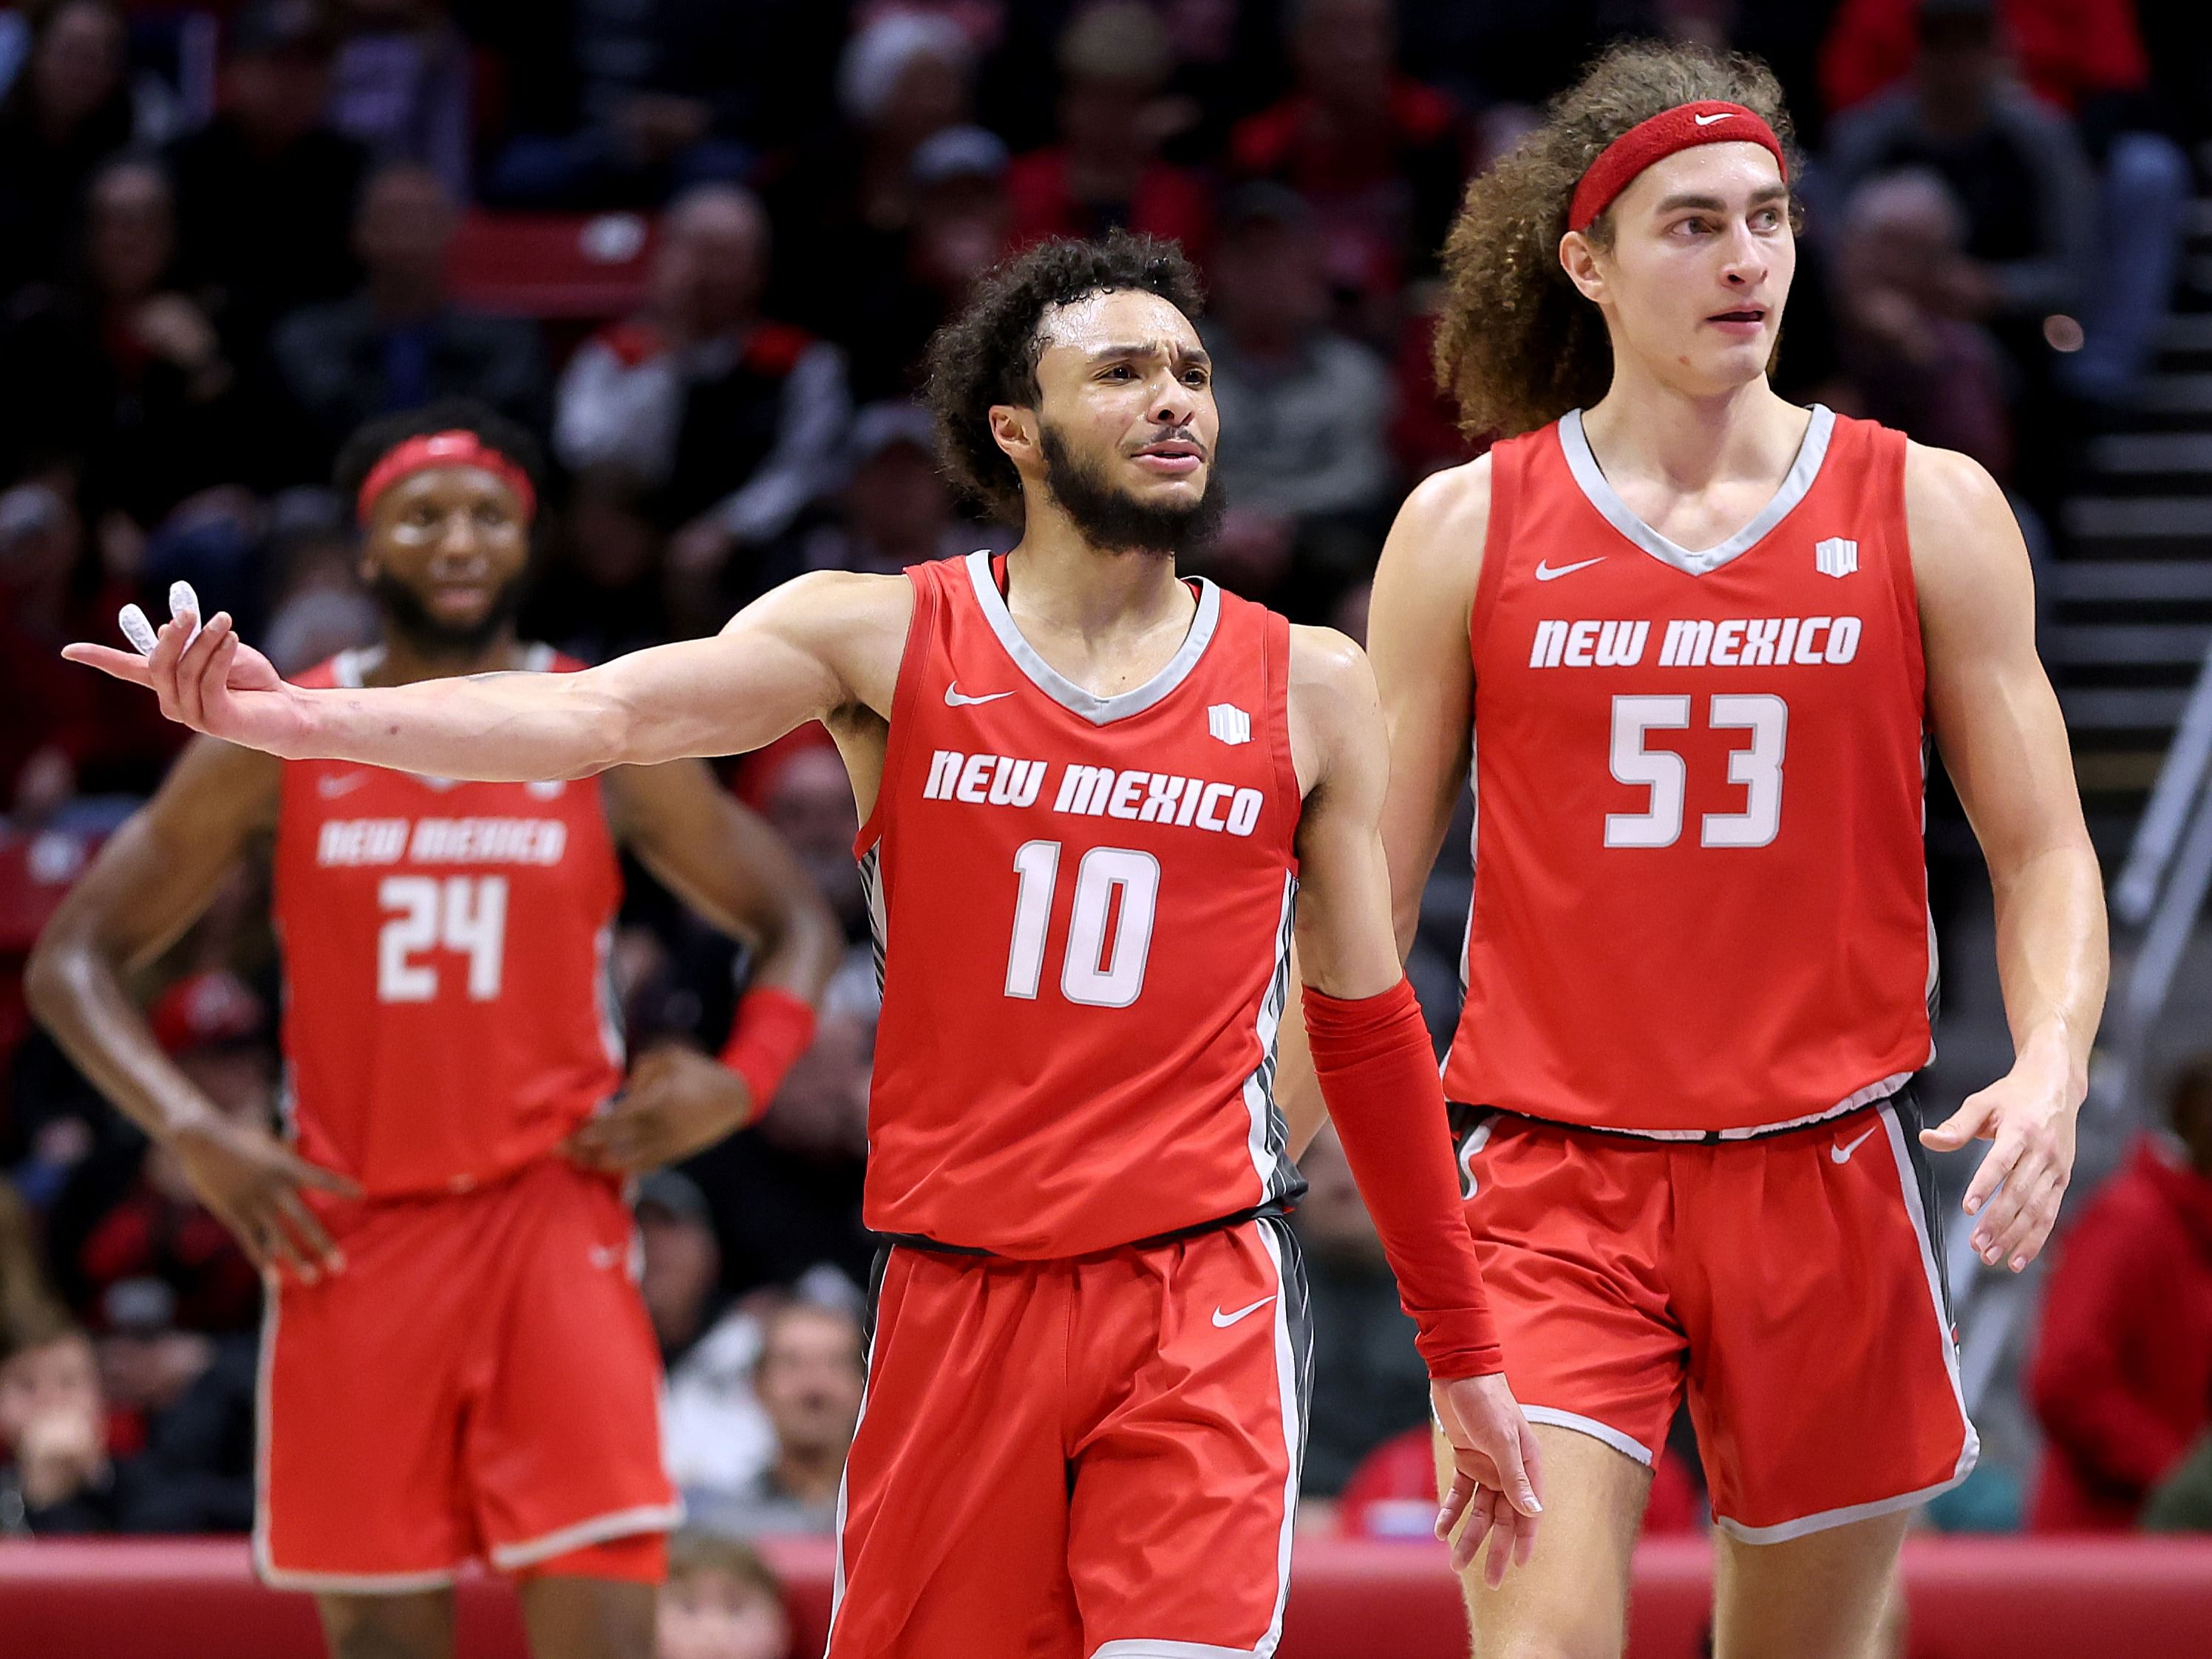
(2021,1598)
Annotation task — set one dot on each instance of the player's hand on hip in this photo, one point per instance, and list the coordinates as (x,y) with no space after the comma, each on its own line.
(252,1181)
(677,1101)
(205,677)
(2027,1116)
(1497,1475)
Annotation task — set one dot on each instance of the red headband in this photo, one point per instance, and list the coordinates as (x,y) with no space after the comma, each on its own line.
(453,449)
(1709,121)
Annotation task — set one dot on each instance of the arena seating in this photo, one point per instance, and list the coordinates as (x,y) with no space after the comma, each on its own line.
(1970,1597)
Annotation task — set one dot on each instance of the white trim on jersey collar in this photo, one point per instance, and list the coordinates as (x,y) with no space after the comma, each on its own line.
(1099,711)
(1603,496)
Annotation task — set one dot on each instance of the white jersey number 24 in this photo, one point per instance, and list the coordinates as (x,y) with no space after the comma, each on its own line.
(465,916)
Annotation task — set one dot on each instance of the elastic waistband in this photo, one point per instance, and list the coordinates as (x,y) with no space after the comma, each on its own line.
(1464,1117)
(1275,1207)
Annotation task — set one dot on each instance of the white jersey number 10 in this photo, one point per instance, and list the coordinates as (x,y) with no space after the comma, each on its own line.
(1757,767)
(1090,975)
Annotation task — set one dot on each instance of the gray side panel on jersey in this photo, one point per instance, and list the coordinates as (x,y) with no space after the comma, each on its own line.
(871,887)
(1906,1104)
(1270,1136)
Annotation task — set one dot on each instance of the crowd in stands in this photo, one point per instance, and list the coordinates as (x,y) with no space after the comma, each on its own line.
(227,236)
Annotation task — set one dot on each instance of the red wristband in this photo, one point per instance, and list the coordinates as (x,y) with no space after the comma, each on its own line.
(1379,1075)
(772,1029)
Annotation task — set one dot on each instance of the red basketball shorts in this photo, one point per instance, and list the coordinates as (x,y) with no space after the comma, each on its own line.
(1085,1459)
(1790,1285)
(480,1381)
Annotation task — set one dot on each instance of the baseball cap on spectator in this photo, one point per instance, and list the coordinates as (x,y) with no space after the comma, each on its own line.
(879,55)
(959,152)
(283,28)
(883,425)
(676,1196)
(205,1011)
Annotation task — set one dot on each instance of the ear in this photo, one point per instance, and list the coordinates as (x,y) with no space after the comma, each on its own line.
(1014,430)
(1580,259)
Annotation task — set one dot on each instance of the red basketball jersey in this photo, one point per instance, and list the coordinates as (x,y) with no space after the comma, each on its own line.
(447,1016)
(1700,898)
(1082,908)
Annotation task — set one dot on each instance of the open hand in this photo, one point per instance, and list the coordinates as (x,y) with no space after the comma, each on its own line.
(206,678)
(677,1101)
(2027,1116)
(1497,1474)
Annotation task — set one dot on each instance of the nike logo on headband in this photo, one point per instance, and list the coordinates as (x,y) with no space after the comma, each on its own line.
(1707,120)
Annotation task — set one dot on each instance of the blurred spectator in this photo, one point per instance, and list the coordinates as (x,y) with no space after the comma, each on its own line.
(717,1437)
(2013,165)
(622,103)
(402,342)
(2122,1375)
(2085,59)
(809,1380)
(897,508)
(265,191)
(158,1234)
(601,590)
(1916,363)
(70,109)
(118,371)
(1304,413)
(807,798)
(958,228)
(721,1602)
(701,390)
(843,202)
(1115,61)
(1381,156)
(400,87)
(1369,1383)
(65,732)
(56,1475)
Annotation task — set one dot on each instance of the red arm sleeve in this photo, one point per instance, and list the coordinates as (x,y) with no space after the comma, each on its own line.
(1378,1076)
(2081,1390)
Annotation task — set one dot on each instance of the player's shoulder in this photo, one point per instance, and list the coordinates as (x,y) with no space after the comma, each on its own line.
(1958,523)
(1330,677)
(832,599)
(1451,502)
(1949,487)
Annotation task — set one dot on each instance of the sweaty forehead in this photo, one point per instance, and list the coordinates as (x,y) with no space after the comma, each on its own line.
(442,485)
(1730,172)
(1124,317)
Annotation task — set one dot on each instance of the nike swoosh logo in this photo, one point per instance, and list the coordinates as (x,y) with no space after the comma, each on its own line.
(954,699)
(1707,120)
(1223,1321)
(330,788)
(1843,1154)
(1546,572)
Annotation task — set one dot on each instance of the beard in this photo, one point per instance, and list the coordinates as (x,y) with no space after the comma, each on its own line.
(433,637)
(1113,520)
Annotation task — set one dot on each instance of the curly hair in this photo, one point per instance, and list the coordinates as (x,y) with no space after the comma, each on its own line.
(372,441)
(989,353)
(1517,345)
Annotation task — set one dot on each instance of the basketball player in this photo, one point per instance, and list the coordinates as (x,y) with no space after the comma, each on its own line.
(1698,636)
(455,1361)
(1089,791)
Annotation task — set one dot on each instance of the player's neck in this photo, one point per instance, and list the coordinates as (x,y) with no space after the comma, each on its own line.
(1057,579)
(405,661)
(1644,428)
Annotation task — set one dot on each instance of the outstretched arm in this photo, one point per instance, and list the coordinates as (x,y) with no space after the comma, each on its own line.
(2004,742)
(823,642)
(1372,1060)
